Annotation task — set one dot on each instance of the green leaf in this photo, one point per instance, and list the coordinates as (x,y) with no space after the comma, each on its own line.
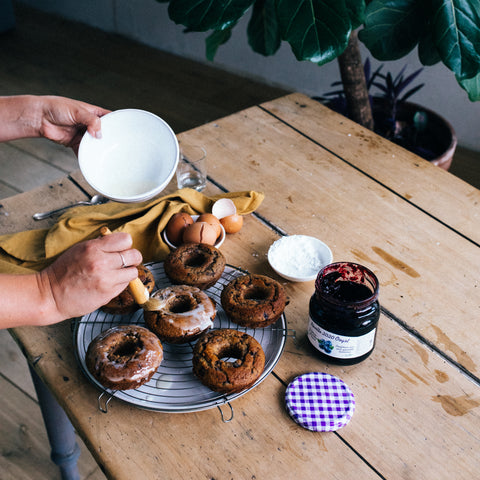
(263,31)
(472,87)
(456,33)
(427,51)
(420,121)
(356,10)
(393,27)
(317,30)
(214,40)
(203,15)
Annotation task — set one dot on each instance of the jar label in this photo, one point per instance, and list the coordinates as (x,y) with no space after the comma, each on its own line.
(340,346)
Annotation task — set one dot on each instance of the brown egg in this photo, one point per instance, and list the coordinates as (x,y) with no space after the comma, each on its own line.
(176,226)
(211,220)
(200,232)
(232,223)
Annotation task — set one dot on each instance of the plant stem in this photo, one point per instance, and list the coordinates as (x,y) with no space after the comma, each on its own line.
(354,83)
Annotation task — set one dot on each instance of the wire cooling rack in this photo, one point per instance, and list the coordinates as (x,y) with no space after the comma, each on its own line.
(174,388)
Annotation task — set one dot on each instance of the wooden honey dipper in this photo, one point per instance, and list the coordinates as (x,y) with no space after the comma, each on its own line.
(137,288)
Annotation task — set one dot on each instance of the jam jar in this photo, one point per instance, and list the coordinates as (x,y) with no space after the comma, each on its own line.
(344,313)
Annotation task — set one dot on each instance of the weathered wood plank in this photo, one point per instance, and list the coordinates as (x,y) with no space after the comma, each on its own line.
(400,388)
(25,451)
(24,172)
(7,190)
(16,212)
(310,191)
(24,435)
(439,193)
(416,414)
(409,398)
(403,389)
(56,155)
(14,365)
(184,92)
(188,445)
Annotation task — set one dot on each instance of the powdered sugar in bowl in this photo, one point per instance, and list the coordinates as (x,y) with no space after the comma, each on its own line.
(299,258)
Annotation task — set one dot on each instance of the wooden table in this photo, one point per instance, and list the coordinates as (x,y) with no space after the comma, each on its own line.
(417,396)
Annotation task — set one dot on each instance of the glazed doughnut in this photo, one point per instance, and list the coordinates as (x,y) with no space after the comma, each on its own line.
(183,314)
(125,303)
(124,357)
(253,301)
(224,376)
(196,264)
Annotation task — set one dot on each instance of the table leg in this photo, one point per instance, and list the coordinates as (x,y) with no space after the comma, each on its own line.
(65,450)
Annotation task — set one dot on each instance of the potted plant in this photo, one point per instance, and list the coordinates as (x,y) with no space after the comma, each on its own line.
(407,124)
(323,30)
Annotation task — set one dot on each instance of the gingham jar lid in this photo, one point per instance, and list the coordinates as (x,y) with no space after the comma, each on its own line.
(320,402)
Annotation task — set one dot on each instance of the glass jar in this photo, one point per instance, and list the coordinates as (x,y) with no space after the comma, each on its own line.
(344,313)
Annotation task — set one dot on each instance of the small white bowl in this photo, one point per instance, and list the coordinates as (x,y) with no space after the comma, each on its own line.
(299,258)
(219,242)
(134,160)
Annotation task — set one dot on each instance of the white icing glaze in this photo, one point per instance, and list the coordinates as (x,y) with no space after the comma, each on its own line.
(197,319)
(142,368)
(137,368)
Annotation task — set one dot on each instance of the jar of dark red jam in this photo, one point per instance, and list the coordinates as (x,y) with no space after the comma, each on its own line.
(344,313)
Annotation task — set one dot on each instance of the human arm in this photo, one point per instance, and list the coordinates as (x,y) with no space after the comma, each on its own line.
(62,120)
(84,278)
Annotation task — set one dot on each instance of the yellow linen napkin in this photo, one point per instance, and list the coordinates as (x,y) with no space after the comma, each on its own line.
(35,249)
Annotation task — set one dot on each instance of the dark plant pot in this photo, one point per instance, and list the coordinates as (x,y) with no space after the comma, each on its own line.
(437,143)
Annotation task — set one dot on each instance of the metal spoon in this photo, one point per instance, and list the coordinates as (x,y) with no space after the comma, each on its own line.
(95,200)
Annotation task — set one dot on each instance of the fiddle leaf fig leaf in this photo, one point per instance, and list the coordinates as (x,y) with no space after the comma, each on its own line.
(317,30)
(472,87)
(214,40)
(263,31)
(427,51)
(393,27)
(456,33)
(420,121)
(356,10)
(203,15)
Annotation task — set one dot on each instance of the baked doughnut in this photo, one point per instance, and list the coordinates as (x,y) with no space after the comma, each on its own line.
(125,303)
(253,301)
(183,314)
(196,264)
(124,357)
(228,376)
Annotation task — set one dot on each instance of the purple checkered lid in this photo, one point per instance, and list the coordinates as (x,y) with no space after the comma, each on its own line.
(320,402)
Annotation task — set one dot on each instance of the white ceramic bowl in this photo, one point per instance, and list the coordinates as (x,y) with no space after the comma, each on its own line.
(134,160)
(299,258)
(219,242)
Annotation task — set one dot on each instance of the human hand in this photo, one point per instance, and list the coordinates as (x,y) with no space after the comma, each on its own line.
(89,275)
(65,120)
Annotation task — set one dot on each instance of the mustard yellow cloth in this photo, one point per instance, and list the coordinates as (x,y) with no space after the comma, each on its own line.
(33,250)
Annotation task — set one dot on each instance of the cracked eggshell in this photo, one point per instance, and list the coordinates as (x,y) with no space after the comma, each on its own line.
(211,220)
(172,246)
(176,226)
(225,210)
(200,232)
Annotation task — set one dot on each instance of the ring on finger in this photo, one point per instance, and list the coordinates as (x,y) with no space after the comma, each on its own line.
(124,263)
